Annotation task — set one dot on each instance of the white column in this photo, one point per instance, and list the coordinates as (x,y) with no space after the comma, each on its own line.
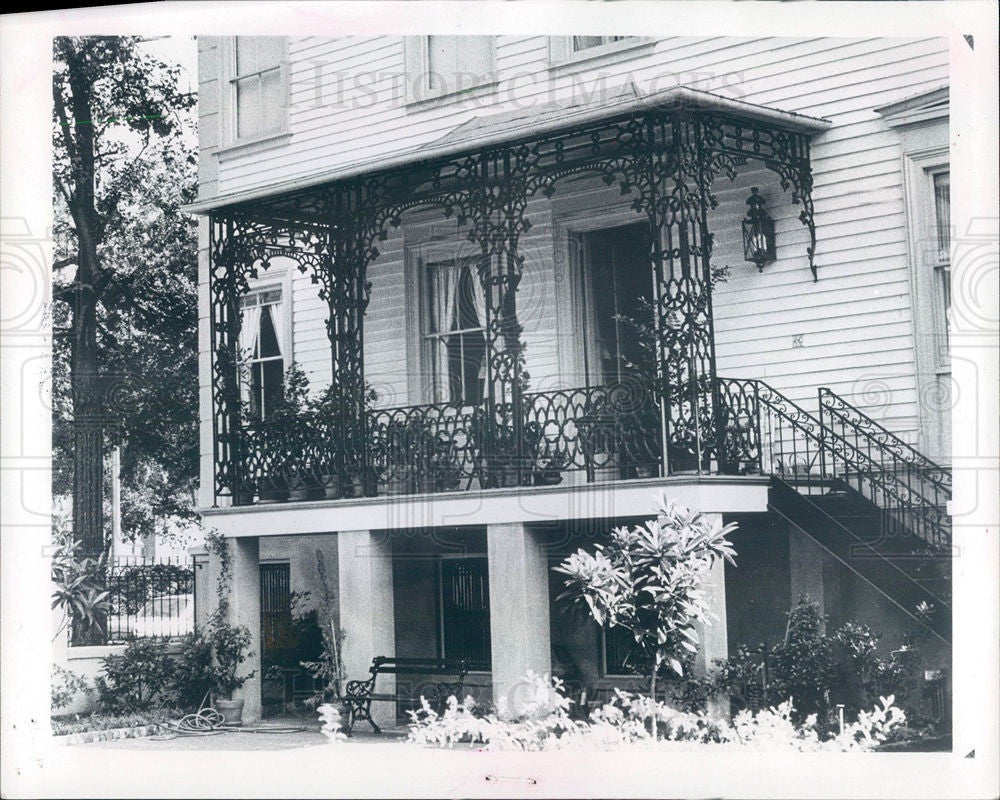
(244,609)
(805,559)
(519,607)
(367,616)
(714,639)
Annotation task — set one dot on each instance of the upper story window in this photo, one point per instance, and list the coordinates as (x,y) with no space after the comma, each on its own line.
(455,331)
(570,49)
(444,65)
(257,82)
(262,351)
(585,42)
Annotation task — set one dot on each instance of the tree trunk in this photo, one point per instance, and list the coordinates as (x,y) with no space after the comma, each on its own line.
(88,417)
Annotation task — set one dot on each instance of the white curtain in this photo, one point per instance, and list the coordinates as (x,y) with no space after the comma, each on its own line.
(479,298)
(444,285)
(249,333)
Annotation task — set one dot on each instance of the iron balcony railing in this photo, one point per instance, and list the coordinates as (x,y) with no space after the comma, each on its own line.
(617,431)
(603,433)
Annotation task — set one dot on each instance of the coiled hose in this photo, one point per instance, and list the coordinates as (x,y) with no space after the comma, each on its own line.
(209,722)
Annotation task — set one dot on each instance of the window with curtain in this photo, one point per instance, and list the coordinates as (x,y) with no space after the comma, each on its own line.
(455,331)
(261,336)
(465,610)
(258,85)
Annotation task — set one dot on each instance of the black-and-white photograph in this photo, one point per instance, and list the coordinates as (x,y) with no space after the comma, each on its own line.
(464,414)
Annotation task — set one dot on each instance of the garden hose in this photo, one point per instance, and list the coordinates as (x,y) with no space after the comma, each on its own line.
(209,722)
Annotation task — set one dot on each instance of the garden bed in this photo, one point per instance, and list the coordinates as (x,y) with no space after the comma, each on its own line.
(96,727)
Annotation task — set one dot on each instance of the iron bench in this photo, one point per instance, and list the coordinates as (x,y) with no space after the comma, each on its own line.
(359,695)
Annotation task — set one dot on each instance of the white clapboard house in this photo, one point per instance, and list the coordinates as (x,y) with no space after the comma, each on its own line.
(469,302)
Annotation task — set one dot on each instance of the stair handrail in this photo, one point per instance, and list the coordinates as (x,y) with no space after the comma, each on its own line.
(829,442)
(883,438)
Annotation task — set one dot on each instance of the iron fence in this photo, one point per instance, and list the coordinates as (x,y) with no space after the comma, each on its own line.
(149,598)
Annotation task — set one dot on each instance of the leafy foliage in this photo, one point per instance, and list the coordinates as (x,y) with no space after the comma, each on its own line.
(328,668)
(230,648)
(818,672)
(99,721)
(125,272)
(65,685)
(137,680)
(648,579)
(630,719)
(193,675)
(78,591)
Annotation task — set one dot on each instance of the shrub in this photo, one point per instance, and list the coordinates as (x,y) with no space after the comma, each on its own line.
(818,672)
(65,685)
(136,680)
(544,724)
(230,645)
(648,579)
(193,674)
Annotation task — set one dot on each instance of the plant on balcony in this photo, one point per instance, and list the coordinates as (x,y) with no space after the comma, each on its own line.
(284,442)
(337,433)
(685,434)
(648,579)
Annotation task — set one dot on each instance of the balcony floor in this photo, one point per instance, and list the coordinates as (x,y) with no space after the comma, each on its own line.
(631,498)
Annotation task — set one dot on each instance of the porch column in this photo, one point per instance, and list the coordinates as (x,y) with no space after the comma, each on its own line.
(366,611)
(519,607)
(805,559)
(244,609)
(714,639)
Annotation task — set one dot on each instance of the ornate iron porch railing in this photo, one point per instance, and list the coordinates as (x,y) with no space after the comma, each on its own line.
(665,157)
(604,433)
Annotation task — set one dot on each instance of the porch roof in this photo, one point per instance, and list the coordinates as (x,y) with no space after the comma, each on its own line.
(494,129)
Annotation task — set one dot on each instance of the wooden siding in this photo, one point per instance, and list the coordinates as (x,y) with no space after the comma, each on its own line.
(851,331)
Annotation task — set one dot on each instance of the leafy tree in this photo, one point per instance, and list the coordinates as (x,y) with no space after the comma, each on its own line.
(648,579)
(125,282)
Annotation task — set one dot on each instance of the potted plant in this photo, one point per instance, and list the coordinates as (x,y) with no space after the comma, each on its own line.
(445,469)
(398,446)
(284,455)
(327,414)
(550,461)
(230,648)
(598,427)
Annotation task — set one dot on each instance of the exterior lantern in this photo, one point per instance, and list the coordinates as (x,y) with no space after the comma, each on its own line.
(758,232)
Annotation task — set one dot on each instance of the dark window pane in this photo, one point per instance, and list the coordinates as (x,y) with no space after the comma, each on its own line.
(272,388)
(268,336)
(618,643)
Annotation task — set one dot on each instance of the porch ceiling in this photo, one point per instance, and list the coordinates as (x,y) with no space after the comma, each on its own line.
(495,129)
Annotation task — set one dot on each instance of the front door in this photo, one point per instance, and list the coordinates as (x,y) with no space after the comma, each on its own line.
(617,283)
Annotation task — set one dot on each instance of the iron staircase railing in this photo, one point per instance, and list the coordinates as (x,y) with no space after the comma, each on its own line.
(842,449)
(912,490)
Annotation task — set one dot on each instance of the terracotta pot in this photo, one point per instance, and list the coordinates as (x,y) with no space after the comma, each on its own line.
(231,710)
